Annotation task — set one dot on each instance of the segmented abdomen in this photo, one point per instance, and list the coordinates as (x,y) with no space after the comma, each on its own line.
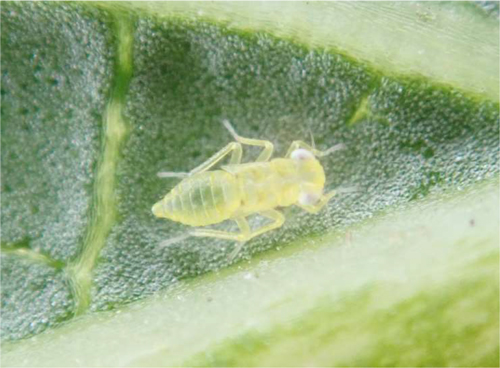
(203,199)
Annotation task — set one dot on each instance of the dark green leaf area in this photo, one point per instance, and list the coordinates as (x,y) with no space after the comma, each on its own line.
(405,138)
(419,138)
(35,296)
(56,64)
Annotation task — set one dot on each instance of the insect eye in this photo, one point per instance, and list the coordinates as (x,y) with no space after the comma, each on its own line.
(308,198)
(301,154)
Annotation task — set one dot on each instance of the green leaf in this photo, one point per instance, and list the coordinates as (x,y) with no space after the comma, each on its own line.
(99,97)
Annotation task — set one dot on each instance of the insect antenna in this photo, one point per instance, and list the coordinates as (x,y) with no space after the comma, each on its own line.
(313,144)
(229,127)
(347,190)
(330,150)
(337,147)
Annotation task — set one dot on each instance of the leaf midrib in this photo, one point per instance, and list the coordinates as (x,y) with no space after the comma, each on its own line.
(104,195)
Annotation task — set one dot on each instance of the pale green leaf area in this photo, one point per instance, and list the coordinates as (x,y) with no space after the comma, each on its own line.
(99,97)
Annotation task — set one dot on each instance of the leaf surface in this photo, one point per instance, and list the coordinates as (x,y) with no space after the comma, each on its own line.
(97,98)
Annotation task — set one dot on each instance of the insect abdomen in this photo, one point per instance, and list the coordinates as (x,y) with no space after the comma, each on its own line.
(203,199)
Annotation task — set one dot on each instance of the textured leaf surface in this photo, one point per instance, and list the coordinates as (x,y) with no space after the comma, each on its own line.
(55,81)
(97,98)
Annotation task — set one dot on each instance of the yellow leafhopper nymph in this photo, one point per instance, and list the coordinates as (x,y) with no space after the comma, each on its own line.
(235,191)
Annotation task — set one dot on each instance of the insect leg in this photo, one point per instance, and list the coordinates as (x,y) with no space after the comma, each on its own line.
(242,236)
(278,218)
(234,148)
(174,240)
(266,153)
(245,233)
(315,208)
(171,174)
(245,229)
(301,144)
